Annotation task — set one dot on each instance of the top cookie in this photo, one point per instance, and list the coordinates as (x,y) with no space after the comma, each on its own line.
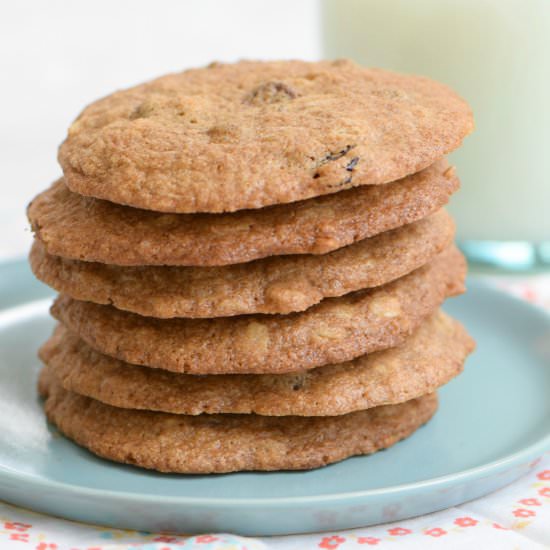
(252,134)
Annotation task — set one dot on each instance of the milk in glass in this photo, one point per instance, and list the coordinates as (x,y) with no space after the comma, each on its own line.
(496,54)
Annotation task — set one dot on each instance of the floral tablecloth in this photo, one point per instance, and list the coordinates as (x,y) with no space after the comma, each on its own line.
(515,518)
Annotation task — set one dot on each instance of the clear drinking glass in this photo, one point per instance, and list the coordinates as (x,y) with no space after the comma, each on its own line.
(496,54)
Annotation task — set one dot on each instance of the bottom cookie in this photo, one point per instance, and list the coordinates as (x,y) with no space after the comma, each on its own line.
(227,442)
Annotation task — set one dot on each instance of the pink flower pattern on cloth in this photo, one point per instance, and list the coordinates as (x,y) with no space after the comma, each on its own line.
(514,518)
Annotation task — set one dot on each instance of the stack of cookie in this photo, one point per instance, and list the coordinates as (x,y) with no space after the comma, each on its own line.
(251,259)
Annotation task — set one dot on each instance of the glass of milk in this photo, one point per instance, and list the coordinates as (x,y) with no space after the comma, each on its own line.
(496,54)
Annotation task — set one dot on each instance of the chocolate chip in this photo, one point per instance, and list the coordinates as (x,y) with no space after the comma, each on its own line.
(345,181)
(332,156)
(337,155)
(299,381)
(352,164)
(270,92)
(349,167)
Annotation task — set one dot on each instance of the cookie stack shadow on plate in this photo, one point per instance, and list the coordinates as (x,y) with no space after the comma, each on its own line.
(251,258)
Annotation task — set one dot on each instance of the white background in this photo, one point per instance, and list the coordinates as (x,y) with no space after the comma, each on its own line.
(57,56)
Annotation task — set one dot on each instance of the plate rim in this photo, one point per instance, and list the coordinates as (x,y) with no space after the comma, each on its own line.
(524,455)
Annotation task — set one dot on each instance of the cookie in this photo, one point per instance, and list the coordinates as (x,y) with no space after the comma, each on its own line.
(431,357)
(227,443)
(280,284)
(336,330)
(80,228)
(253,134)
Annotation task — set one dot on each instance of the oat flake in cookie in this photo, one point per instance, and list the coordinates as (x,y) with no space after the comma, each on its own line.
(252,134)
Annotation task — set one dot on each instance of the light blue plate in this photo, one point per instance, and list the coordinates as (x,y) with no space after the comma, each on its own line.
(493,421)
